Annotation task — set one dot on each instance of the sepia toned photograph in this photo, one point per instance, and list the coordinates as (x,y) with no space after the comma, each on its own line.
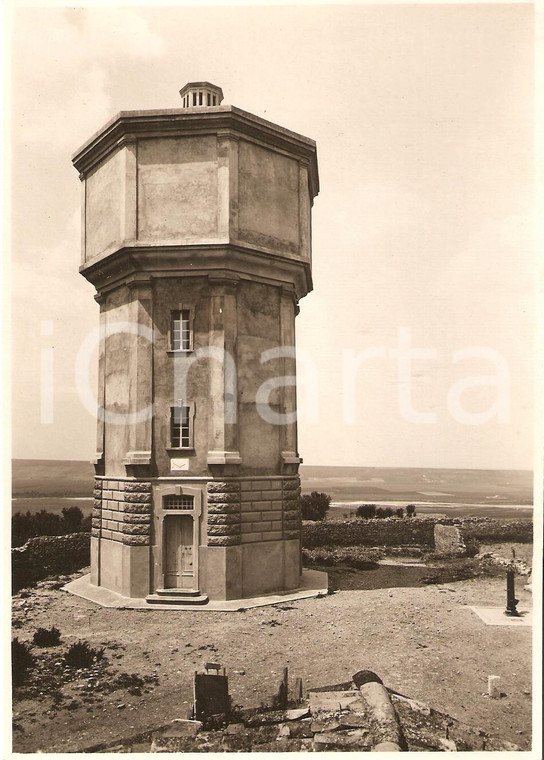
(275,379)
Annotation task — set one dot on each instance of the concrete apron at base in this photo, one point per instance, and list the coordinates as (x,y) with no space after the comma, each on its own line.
(313,583)
(226,572)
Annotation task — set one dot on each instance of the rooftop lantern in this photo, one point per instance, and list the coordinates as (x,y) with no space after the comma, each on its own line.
(200,95)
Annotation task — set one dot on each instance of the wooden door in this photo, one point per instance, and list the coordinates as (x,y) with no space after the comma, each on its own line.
(178,551)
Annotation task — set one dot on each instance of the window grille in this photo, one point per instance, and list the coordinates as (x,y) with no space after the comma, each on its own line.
(178,502)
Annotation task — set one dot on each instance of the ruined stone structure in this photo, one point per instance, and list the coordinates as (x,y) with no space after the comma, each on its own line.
(196,236)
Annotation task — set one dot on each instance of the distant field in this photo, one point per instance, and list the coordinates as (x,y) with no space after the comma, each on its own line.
(54,484)
(44,477)
(431,486)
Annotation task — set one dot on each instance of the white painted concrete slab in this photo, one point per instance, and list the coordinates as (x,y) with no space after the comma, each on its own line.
(496,616)
(314,583)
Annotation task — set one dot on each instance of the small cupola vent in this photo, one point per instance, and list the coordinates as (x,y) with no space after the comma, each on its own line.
(201,95)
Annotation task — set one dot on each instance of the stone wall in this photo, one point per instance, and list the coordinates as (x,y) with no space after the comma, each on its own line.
(48,555)
(378,532)
(448,541)
(122,511)
(392,531)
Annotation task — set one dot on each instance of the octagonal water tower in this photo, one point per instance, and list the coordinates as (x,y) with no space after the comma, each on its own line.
(196,236)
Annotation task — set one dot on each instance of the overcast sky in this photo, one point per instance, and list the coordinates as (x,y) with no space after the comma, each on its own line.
(423,120)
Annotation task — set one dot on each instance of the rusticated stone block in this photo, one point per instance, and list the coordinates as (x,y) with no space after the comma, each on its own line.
(223,540)
(96,521)
(137,529)
(291,514)
(95,532)
(132,540)
(291,504)
(224,486)
(224,530)
(137,508)
(214,498)
(135,518)
(97,503)
(223,519)
(97,493)
(291,485)
(141,497)
(218,509)
(97,511)
(137,486)
(291,533)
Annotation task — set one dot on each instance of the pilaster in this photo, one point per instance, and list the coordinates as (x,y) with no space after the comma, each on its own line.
(288,431)
(223,438)
(100,422)
(141,379)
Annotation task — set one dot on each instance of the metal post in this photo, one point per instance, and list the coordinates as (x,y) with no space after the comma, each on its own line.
(511,601)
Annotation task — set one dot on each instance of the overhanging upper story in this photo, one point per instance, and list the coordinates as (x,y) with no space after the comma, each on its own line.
(189,190)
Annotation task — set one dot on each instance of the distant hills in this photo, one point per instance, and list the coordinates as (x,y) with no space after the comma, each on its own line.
(35,478)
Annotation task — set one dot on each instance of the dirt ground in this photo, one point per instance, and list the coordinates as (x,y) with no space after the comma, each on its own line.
(423,642)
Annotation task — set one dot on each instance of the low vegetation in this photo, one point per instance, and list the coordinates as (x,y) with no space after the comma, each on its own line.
(43,523)
(47,637)
(371,511)
(82,655)
(359,557)
(22,660)
(314,506)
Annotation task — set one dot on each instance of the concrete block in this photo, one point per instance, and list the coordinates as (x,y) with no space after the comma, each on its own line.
(107,534)
(107,494)
(271,535)
(275,525)
(266,525)
(258,506)
(248,538)
(107,514)
(247,517)
(246,485)
(272,495)
(252,495)
(274,515)
(261,485)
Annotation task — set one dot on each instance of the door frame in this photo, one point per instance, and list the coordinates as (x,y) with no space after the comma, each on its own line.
(159,494)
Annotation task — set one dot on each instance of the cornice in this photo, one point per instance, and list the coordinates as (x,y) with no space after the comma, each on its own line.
(128,126)
(132,264)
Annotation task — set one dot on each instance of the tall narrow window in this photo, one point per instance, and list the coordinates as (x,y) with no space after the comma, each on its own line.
(180,427)
(181,330)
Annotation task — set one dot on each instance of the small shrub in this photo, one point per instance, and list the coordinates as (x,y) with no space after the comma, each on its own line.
(47,637)
(384,512)
(314,506)
(400,512)
(81,655)
(352,556)
(366,511)
(410,510)
(472,547)
(22,660)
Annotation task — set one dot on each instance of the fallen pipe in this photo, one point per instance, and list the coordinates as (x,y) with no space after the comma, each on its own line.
(381,713)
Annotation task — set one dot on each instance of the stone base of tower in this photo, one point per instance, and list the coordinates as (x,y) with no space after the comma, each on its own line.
(248,570)
(224,539)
